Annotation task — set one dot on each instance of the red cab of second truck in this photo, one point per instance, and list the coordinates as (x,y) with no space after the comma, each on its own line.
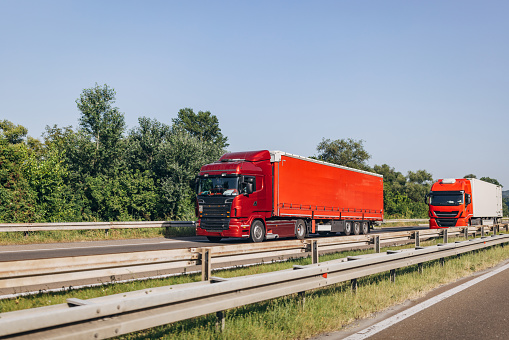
(272,194)
(464,202)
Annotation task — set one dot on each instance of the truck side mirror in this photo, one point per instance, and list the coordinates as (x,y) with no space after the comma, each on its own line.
(468,199)
(427,198)
(249,188)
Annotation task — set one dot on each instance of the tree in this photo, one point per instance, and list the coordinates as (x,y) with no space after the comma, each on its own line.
(103,125)
(11,133)
(143,143)
(346,152)
(404,195)
(491,180)
(470,176)
(203,125)
(178,162)
(16,197)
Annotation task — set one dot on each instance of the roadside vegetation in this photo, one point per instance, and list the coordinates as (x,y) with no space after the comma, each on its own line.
(325,310)
(103,171)
(59,236)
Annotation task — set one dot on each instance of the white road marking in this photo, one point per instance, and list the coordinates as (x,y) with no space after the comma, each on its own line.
(376,328)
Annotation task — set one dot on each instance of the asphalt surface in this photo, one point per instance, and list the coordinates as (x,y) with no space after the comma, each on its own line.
(480,311)
(54,250)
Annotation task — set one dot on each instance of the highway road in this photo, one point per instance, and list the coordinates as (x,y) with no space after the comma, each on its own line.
(476,307)
(53,250)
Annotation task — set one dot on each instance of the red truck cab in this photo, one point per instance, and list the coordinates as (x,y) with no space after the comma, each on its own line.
(232,193)
(450,203)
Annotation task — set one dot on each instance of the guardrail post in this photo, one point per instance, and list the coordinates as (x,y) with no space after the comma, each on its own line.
(354,285)
(377,243)
(206,260)
(445,234)
(302,296)
(393,275)
(417,236)
(313,248)
(442,261)
(419,268)
(465,232)
(482,231)
(221,321)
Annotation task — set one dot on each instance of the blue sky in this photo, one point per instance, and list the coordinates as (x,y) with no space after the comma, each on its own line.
(423,83)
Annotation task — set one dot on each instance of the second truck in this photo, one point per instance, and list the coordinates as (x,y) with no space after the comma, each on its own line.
(261,195)
(464,202)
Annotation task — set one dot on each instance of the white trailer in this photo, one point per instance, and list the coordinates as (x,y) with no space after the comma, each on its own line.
(486,201)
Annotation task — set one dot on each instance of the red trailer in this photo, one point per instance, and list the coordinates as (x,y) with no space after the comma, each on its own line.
(272,194)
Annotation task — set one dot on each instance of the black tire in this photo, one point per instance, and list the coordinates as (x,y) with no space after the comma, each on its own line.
(300,229)
(214,238)
(356,228)
(257,232)
(348,228)
(365,227)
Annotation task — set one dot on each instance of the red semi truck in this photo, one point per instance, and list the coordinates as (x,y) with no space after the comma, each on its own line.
(272,194)
(464,202)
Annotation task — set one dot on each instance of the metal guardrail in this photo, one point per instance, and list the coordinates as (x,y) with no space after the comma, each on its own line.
(124,313)
(46,274)
(26,227)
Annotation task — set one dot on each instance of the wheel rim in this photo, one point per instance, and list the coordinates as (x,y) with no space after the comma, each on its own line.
(300,229)
(348,227)
(356,228)
(257,232)
(365,228)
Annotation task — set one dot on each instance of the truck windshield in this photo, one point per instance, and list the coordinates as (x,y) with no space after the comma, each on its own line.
(226,186)
(446,198)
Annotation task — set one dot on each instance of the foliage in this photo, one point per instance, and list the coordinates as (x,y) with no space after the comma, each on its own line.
(346,152)
(16,196)
(486,179)
(100,172)
(404,195)
(203,125)
(102,125)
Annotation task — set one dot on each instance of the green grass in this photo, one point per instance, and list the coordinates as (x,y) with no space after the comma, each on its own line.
(58,236)
(325,310)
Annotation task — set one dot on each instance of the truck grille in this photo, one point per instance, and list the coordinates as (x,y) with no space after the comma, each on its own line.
(446,213)
(215,215)
(446,222)
(212,224)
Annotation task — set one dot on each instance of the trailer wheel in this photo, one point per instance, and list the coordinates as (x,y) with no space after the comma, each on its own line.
(365,227)
(257,232)
(300,229)
(356,228)
(214,238)
(348,228)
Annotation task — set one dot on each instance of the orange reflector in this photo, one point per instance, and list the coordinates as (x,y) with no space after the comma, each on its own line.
(324,275)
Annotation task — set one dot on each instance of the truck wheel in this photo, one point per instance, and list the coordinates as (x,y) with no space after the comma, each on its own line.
(348,228)
(214,238)
(356,228)
(365,227)
(257,232)
(300,229)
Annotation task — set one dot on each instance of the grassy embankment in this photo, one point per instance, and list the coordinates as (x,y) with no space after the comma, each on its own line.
(325,310)
(59,236)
